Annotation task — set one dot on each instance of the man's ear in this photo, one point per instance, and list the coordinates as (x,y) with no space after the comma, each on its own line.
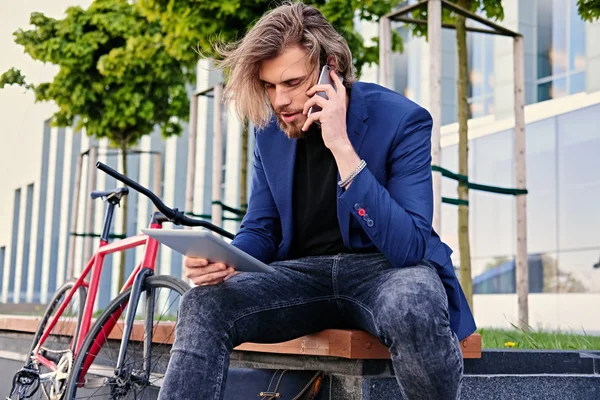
(331,61)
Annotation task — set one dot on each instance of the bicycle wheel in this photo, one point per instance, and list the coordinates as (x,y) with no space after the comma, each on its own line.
(94,368)
(60,344)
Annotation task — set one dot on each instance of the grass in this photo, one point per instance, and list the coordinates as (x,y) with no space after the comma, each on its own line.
(537,339)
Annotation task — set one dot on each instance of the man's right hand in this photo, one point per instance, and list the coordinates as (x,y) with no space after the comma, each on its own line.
(202,273)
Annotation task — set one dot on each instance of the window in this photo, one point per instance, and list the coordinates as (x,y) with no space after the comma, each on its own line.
(481,74)
(400,64)
(560,49)
(14,242)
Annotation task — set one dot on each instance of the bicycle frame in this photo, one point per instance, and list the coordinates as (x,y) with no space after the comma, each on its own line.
(94,267)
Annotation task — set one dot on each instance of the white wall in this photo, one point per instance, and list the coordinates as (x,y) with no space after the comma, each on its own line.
(569,312)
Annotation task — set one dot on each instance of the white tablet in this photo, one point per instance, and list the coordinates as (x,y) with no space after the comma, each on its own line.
(205,244)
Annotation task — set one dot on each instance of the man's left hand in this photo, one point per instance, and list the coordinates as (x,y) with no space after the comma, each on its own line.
(332,117)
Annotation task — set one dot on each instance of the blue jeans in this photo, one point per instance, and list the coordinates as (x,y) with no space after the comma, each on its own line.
(406,308)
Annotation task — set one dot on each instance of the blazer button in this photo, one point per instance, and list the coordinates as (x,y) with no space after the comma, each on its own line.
(362,212)
(366,217)
(370,223)
(357,206)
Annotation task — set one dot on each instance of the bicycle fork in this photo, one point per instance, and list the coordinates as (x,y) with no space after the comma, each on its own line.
(122,374)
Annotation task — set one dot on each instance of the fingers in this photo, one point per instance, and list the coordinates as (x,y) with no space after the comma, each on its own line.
(328,89)
(192,273)
(339,86)
(315,100)
(194,262)
(312,118)
(201,273)
(233,273)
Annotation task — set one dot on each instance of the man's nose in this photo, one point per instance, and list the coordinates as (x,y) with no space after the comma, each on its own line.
(282,97)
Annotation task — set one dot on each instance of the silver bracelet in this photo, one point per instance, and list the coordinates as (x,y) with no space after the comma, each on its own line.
(353,174)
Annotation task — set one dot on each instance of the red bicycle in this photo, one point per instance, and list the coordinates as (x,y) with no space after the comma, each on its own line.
(124,354)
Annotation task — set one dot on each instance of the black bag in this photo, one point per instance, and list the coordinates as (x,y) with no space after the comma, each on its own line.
(268,384)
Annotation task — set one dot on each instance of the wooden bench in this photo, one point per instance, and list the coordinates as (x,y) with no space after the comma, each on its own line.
(350,344)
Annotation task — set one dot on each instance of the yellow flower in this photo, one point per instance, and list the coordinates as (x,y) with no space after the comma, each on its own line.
(509,344)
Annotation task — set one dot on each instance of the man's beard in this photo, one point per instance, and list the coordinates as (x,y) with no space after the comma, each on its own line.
(291,130)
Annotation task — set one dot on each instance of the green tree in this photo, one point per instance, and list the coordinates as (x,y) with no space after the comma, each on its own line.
(197,24)
(589,10)
(116,79)
(492,9)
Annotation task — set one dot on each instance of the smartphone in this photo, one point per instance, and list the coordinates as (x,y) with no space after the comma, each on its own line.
(324,79)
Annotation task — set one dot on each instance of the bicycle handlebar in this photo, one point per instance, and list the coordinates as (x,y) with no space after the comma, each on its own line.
(173,214)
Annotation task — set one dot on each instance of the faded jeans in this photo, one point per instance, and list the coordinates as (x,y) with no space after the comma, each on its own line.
(406,308)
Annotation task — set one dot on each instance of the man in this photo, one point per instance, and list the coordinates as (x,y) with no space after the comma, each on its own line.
(341,205)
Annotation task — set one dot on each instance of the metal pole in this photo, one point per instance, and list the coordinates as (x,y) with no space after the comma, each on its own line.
(74,216)
(217,211)
(385,52)
(522,267)
(434,32)
(89,217)
(191,167)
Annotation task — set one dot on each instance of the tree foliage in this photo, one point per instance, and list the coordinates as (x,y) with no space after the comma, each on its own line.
(198,24)
(589,10)
(115,77)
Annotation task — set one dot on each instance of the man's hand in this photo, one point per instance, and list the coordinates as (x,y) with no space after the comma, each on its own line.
(202,273)
(332,117)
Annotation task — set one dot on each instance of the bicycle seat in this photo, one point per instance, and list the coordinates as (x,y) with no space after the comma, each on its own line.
(118,192)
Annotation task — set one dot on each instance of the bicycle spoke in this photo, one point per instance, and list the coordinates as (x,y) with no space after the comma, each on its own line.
(134,383)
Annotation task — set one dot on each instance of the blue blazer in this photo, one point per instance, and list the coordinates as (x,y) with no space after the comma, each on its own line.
(393,135)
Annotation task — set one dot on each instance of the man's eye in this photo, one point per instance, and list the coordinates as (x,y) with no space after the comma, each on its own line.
(269,86)
(294,83)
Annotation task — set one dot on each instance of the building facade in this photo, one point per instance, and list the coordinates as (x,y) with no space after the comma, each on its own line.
(563,144)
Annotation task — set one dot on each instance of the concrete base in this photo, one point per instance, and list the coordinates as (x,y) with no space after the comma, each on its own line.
(499,374)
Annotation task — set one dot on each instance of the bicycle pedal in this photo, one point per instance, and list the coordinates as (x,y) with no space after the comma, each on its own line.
(25,383)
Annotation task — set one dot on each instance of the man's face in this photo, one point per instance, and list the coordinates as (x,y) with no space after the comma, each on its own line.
(287,78)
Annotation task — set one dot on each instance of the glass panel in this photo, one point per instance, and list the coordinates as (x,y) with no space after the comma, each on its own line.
(544,38)
(558,53)
(489,105)
(577,83)
(579,180)
(579,272)
(476,109)
(400,64)
(476,65)
(495,275)
(498,274)
(551,37)
(553,89)
(489,64)
(577,40)
(493,214)
(541,184)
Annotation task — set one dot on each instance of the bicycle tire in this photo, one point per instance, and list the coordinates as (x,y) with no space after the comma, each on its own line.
(154,282)
(57,300)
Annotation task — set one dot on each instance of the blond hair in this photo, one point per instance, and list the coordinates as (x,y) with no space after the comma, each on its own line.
(288,25)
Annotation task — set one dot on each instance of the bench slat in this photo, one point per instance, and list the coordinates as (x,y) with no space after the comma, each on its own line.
(352,344)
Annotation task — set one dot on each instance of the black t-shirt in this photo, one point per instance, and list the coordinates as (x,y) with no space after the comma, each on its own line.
(314,201)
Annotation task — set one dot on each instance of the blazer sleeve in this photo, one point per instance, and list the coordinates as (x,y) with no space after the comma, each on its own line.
(398,216)
(260,231)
